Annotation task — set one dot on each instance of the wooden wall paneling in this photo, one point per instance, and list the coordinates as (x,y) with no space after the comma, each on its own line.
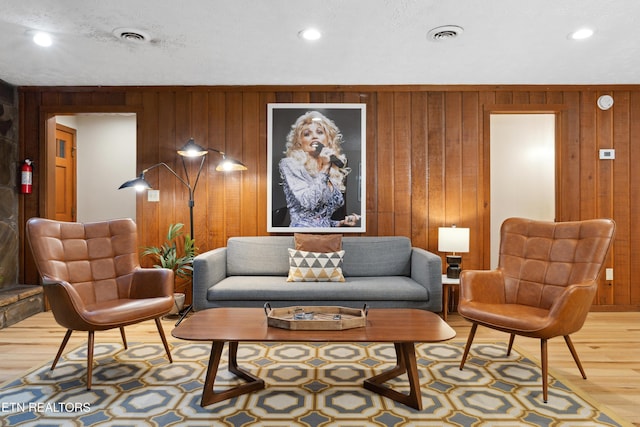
(604,184)
(486,101)
(49,98)
(423,142)
(588,157)
(304,97)
(371,156)
(436,166)
(148,154)
(471,174)
(557,97)
(29,204)
(521,97)
(215,183)
(453,158)
(634,204)
(385,165)
(620,191)
(538,97)
(570,182)
(260,164)
(233,147)
(504,97)
(419,171)
(173,206)
(180,126)
(402,164)
(199,130)
(252,220)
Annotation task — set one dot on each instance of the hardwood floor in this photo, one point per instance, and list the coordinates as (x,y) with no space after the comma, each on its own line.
(608,346)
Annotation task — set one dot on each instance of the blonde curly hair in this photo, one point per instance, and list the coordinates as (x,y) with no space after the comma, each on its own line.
(334,140)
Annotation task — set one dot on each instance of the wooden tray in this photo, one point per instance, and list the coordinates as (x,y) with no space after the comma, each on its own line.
(316,318)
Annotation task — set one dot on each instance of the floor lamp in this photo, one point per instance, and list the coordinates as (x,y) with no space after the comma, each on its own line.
(190,149)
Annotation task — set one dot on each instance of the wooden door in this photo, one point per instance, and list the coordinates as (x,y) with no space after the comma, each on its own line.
(65,175)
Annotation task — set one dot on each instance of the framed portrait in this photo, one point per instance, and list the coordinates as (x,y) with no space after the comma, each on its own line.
(316,168)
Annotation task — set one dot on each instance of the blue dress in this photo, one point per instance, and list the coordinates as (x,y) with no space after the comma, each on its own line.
(310,199)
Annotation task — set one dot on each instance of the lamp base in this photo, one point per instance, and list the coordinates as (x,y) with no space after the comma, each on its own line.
(453,267)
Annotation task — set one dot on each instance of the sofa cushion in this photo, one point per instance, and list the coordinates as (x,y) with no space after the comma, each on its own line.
(376,256)
(318,242)
(250,256)
(305,266)
(360,289)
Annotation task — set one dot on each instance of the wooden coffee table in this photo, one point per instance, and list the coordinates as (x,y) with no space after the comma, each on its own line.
(402,327)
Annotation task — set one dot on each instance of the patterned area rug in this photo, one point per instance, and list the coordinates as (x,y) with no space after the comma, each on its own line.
(306,385)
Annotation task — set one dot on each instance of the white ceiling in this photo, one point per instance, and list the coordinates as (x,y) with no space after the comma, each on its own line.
(366,42)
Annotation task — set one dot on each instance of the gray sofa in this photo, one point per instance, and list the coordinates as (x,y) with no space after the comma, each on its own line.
(378,271)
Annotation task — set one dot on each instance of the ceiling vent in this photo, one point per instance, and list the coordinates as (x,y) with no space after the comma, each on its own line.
(131,35)
(446,32)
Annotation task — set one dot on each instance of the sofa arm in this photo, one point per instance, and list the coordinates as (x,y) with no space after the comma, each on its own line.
(208,269)
(426,269)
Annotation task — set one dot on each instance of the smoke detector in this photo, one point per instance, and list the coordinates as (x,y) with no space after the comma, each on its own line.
(132,35)
(445,32)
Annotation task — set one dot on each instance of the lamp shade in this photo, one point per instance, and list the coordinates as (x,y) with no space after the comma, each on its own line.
(453,239)
(138,183)
(191,149)
(227,165)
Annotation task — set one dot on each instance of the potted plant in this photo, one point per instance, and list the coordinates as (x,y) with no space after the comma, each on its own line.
(177,254)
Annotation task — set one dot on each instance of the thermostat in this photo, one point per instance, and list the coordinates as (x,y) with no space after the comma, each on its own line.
(607,153)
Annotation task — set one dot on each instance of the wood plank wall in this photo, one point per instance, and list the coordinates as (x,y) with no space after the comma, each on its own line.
(427,159)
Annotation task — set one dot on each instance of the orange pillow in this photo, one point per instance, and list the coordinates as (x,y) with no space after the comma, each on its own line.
(318,242)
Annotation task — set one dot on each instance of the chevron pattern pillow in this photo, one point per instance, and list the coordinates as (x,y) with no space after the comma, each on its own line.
(307,266)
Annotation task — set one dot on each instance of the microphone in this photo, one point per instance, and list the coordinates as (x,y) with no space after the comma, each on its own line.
(333,158)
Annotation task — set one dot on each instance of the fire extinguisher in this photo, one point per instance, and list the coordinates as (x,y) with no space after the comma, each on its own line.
(26,180)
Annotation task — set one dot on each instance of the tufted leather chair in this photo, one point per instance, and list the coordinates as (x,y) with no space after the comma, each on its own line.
(544,285)
(93,280)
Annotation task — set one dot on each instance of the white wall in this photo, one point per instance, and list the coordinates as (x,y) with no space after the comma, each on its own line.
(106,157)
(522,170)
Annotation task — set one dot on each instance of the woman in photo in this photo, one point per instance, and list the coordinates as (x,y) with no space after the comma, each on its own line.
(313,172)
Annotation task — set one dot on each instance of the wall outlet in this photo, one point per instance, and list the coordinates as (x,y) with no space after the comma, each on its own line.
(607,154)
(608,274)
(153,195)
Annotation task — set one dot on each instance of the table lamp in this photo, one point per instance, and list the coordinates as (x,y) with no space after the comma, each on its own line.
(453,239)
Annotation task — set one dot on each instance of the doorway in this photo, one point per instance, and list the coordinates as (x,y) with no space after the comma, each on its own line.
(523,170)
(105,153)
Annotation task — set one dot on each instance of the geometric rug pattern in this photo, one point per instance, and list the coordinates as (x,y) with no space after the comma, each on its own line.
(307,384)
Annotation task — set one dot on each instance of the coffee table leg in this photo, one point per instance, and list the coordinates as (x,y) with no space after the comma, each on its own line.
(209,396)
(406,362)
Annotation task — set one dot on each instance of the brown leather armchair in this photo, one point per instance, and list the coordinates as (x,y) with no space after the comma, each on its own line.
(544,285)
(93,281)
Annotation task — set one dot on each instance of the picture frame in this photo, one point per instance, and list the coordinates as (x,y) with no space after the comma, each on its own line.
(350,217)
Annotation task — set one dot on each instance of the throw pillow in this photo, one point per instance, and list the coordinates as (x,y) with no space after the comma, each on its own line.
(305,266)
(318,242)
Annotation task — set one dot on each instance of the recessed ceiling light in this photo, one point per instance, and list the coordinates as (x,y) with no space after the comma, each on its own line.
(310,34)
(581,34)
(42,39)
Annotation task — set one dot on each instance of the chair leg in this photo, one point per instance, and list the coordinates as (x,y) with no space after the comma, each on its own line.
(90,359)
(472,334)
(164,339)
(572,349)
(124,338)
(543,361)
(65,340)
(512,337)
